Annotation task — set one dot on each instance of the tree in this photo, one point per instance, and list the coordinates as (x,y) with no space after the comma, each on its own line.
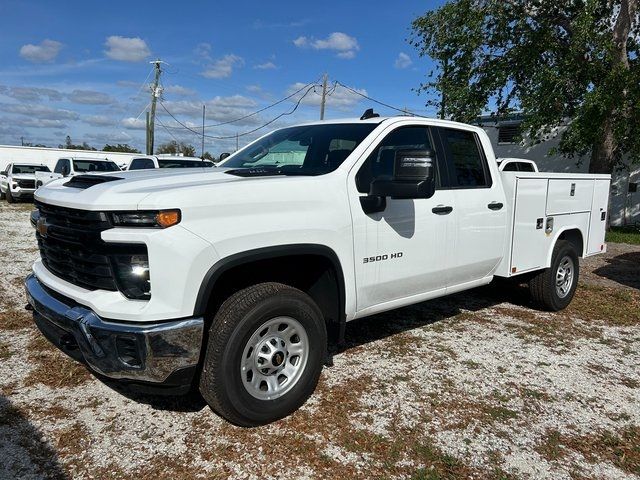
(68,144)
(174,148)
(208,156)
(120,147)
(563,62)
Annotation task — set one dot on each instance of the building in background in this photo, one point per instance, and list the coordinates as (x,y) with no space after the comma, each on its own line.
(507,140)
(49,156)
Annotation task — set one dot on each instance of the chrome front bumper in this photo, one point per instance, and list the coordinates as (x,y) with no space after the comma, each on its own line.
(164,353)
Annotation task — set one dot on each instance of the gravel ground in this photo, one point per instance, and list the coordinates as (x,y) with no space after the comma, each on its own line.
(477,385)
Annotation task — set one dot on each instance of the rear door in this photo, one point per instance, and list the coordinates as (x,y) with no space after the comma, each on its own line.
(402,251)
(480,211)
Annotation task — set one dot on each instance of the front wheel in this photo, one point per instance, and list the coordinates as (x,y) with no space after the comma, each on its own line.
(265,352)
(10,198)
(554,287)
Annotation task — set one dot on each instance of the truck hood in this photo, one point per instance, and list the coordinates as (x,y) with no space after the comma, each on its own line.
(23,176)
(132,187)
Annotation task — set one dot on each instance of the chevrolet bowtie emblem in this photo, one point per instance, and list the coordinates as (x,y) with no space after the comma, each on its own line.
(42,227)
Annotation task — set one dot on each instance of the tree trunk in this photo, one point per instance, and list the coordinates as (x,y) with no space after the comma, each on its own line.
(603,153)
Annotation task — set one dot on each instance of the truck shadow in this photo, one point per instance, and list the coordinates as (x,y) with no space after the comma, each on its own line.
(377,327)
(24,452)
(623,269)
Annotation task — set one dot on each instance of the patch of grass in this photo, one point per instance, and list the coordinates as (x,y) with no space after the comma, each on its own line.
(52,368)
(621,448)
(609,305)
(11,319)
(4,351)
(623,235)
(500,413)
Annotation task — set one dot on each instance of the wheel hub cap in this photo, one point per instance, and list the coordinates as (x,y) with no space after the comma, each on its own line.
(564,276)
(274,358)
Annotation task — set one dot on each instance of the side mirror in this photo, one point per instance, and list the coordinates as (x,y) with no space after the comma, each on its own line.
(65,171)
(224,155)
(413,176)
(4,173)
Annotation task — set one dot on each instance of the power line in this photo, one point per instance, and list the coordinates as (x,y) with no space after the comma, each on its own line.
(403,110)
(290,112)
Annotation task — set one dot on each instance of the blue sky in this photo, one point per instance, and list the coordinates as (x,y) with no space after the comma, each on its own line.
(82,68)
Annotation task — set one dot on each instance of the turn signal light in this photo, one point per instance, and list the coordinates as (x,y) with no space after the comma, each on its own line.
(168,218)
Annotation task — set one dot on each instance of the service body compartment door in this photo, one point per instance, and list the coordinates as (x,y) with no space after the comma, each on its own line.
(598,223)
(530,243)
(569,196)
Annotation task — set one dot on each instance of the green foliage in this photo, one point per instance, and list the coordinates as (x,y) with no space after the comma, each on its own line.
(556,62)
(208,156)
(120,147)
(68,144)
(174,148)
(629,235)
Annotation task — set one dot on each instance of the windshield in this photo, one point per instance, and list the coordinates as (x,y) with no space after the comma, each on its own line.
(303,150)
(95,166)
(184,164)
(17,169)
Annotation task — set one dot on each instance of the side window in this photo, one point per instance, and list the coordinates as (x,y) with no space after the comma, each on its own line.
(141,164)
(60,166)
(466,161)
(511,167)
(380,163)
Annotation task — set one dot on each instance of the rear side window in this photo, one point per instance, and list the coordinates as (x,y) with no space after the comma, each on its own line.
(467,164)
(381,161)
(60,165)
(141,164)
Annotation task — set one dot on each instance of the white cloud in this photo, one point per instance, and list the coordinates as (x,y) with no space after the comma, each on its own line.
(89,97)
(266,66)
(126,49)
(99,120)
(134,123)
(31,94)
(179,90)
(219,109)
(223,67)
(339,98)
(403,61)
(344,45)
(35,122)
(47,51)
(203,50)
(39,111)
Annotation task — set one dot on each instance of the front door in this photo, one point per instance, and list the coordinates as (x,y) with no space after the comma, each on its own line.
(401,252)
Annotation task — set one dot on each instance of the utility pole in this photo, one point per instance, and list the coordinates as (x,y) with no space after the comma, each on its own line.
(147,130)
(236,141)
(202,151)
(324,96)
(22,141)
(155,93)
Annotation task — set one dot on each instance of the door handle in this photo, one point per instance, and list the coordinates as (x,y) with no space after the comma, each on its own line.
(495,206)
(442,210)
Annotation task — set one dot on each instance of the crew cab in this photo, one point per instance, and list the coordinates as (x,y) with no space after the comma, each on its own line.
(232,279)
(18,181)
(68,167)
(164,161)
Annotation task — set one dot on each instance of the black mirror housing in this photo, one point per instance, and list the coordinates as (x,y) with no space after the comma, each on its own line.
(413,176)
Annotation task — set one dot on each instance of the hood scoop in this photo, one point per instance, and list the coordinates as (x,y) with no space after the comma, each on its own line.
(85,181)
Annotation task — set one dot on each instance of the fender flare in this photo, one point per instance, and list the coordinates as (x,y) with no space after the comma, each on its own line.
(557,237)
(227,263)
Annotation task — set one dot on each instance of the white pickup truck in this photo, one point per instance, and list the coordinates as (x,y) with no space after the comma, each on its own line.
(18,181)
(167,161)
(68,167)
(229,279)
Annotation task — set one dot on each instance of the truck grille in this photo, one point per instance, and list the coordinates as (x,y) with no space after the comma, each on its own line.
(71,247)
(26,183)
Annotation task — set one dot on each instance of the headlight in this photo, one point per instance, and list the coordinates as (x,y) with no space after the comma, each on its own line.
(132,275)
(148,219)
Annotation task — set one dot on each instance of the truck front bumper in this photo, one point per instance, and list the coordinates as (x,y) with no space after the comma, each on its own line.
(160,355)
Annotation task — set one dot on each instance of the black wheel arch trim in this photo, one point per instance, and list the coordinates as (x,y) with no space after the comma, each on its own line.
(249,256)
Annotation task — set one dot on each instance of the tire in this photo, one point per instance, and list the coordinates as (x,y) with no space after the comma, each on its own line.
(255,370)
(554,287)
(2,195)
(10,198)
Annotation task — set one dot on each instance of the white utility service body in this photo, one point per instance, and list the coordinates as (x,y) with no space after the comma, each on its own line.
(318,224)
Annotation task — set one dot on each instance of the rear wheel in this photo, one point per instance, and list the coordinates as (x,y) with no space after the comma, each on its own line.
(266,348)
(554,287)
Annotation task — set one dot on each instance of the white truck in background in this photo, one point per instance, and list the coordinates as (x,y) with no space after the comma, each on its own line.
(68,167)
(232,279)
(18,181)
(145,162)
